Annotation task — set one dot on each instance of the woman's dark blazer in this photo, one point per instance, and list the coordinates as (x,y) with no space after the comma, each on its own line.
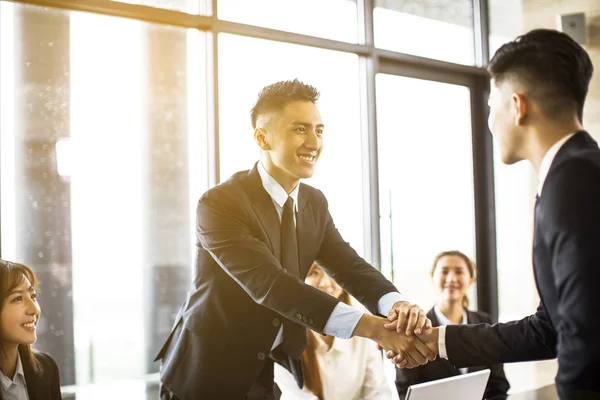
(440,368)
(45,386)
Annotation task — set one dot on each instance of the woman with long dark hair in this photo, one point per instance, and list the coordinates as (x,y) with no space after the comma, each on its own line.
(24,373)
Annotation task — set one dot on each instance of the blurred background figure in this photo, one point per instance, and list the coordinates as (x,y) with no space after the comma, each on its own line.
(335,368)
(453,274)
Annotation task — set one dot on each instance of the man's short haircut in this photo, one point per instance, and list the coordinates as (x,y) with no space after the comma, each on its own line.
(274,97)
(553,69)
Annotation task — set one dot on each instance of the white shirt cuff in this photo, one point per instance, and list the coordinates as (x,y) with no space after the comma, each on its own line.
(387,301)
(442,342)
(342,321)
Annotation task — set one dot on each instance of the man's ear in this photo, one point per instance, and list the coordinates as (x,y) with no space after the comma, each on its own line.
(519,106)
(260,137)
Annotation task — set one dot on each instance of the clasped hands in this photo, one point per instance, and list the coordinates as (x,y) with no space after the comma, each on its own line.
(406,335)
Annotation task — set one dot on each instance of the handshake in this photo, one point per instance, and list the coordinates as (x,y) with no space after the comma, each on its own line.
(406,335)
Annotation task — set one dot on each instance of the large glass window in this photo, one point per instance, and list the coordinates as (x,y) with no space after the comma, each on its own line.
(438,29)
(425,179)
(329,19)
(247,65)
(102,147)
(505,22)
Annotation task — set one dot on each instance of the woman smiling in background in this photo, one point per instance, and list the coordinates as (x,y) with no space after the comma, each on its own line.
(24,374)
(453,273)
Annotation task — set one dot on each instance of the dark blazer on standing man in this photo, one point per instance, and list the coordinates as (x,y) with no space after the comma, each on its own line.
(43,386)
(225,329)
(497,386)
(566,262)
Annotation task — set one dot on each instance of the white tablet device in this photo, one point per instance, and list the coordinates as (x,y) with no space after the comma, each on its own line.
(461,387)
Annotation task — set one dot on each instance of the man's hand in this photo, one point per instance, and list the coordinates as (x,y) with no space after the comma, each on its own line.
(413,351)
(408,318)
(430,337)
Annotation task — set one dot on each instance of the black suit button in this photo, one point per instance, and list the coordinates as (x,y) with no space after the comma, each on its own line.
(310,321)
(261,356)
(276,322)
(299,316)
(304,319)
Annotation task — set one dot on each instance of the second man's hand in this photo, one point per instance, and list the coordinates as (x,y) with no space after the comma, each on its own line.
(413,351)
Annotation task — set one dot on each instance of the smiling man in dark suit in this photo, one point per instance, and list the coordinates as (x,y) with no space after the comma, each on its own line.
(258,234)
(538,89)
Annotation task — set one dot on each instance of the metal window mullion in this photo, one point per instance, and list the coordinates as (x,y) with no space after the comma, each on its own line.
(212,42)
(484,201)
(481,32)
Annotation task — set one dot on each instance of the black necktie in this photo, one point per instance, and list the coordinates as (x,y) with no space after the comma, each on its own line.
(294,335)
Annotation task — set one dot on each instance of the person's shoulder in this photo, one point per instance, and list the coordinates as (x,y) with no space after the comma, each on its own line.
(48,364)
(582,166)
(230,188)
(312,195)
(571,192)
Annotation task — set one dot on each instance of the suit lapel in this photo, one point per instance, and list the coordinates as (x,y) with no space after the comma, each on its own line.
(305,232)
(263,206)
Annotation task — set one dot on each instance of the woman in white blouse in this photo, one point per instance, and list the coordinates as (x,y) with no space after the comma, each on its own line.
(335,368)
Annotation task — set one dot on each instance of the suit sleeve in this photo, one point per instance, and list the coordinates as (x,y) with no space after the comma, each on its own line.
(348,269)
(531,338)
(497,386)
(571,207)
(224,231)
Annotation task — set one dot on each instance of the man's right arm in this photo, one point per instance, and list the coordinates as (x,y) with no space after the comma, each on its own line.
(529,339)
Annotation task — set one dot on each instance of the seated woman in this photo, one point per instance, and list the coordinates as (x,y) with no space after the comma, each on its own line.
(453,273)
(335,368)
(24,373)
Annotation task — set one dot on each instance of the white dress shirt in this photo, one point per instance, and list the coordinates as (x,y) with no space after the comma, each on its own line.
(543,173)
(15,389)
(343,319)
(351,369)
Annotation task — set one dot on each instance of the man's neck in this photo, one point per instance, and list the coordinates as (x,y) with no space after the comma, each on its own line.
(544,137)
(8,360)
(453,310)
(287,183)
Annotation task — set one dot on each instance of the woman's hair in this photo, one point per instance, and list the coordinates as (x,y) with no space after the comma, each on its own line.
(310,366)
(11,276)
(470,266)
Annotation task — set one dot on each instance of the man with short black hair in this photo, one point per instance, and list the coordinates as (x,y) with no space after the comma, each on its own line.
(539,83)
(258,235)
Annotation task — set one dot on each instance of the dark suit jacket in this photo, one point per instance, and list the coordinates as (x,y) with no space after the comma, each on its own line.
(45,386)
(440,368)
(226,327)
(566,261)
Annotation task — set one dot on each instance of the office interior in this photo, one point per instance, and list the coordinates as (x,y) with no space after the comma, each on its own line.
(116,116)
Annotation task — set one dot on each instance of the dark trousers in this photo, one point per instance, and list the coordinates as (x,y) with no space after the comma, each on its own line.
(263,389)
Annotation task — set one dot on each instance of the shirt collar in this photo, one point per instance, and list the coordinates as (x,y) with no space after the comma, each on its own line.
(443,320)
(547,161)
(275,190)
(18,378)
